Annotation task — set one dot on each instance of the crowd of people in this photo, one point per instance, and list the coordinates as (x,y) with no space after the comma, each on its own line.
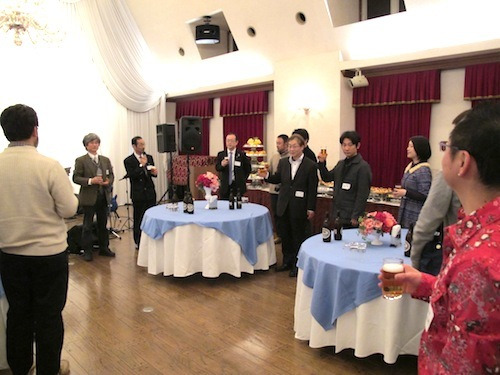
(461,334)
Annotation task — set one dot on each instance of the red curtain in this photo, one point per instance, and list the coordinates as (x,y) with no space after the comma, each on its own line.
(244,127)
(243,115)
(482,82)
(419,87)
(203,108)
(390,111)
(385,132)
(244,104)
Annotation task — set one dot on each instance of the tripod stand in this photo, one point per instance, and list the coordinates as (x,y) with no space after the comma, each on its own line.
(171,187)
(127,224)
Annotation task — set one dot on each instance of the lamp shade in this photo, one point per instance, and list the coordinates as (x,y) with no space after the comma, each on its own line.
(207,34)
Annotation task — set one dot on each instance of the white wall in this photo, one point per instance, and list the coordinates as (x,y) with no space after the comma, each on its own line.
(452,103)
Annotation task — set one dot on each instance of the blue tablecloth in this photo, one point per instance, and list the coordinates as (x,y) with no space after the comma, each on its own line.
(342,279)
(249,227)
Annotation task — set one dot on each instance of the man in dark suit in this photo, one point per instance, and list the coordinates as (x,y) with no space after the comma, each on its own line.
(94,174)
(141,170)
(234,167)
(298,177)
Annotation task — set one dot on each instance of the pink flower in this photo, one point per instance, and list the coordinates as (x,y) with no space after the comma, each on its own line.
(208,180)
(377,221)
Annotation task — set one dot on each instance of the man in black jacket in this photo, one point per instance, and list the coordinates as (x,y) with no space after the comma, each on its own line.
(234,167)
(352,181)
(298,177)
(140,169)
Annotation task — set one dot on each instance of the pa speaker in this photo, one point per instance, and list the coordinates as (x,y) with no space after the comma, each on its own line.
(165,137)
(191,135)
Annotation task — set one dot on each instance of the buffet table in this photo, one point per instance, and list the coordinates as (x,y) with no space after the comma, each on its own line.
(209,241)
(323,205)
(338,302)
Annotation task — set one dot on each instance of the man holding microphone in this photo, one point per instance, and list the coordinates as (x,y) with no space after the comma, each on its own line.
(141,170)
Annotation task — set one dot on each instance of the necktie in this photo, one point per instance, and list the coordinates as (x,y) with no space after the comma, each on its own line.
(230,167)
(95,159)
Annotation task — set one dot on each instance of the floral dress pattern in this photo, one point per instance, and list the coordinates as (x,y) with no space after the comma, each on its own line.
(464,334)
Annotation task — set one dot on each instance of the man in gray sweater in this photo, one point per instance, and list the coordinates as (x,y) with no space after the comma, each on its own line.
(35,197)
(441,206)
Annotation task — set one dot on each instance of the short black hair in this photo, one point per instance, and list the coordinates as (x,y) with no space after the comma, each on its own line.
(284,137)
(422,147)
(18,122)
(302,132)
(235,136)
(478,132)
(352,135)
(135,139)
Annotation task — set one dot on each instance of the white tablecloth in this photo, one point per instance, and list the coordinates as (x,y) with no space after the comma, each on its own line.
(378,326)
(188,249)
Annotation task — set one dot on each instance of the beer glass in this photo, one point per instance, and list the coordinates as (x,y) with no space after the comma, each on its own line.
(390,288)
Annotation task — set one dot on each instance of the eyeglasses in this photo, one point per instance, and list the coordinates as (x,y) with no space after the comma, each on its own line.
(444,144)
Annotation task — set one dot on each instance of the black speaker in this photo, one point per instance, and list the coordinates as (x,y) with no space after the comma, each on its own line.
(165,137)
(191,135)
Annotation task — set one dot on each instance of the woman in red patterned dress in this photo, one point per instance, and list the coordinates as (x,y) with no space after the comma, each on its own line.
(462,332)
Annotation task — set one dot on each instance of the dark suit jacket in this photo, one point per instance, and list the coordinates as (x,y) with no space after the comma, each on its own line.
(85,168)
(241,172)
(141,182)
(299,194)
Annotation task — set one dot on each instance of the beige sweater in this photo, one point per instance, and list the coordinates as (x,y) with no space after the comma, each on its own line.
(35,196)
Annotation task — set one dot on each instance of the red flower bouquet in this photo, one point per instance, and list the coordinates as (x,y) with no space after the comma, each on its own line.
(208,180)
(376,222)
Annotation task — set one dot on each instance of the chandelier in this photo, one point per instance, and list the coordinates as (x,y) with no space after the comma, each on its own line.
(28,18)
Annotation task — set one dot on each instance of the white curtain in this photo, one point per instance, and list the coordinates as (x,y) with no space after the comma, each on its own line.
(120,52)
(72,94)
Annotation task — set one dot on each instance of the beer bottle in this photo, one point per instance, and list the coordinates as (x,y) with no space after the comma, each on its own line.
(190,204)
(185,202)
(337,228)
(231,200)
(238,199)
(409,237)
(325,230)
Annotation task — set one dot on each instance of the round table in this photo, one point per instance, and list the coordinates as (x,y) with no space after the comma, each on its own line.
(209,241)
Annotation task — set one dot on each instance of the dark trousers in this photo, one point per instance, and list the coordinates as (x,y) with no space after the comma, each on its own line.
(100,208)
(36,288)
(293,233)
(140,206)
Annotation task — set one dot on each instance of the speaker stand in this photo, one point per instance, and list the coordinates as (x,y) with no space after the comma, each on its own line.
(171,187)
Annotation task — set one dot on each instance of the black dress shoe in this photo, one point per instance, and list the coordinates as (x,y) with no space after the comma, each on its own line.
(293,272)
(87,255)
(284,267)
(107,253)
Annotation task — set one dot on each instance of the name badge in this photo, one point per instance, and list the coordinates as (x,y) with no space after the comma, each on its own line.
(428,318)
(237,163)
(107,172)
(299,194)
(346,186)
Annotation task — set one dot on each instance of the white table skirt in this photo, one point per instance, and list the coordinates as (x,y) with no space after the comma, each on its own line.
(378,326)
(188,249)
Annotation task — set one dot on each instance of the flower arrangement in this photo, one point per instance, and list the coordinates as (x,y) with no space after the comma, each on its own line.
(208,180)
(376,222)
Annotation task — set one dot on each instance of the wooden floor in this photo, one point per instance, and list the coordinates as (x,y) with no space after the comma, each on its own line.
(226,325)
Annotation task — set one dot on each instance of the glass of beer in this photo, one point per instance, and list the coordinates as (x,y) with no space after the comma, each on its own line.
(323,151)
(390,288)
